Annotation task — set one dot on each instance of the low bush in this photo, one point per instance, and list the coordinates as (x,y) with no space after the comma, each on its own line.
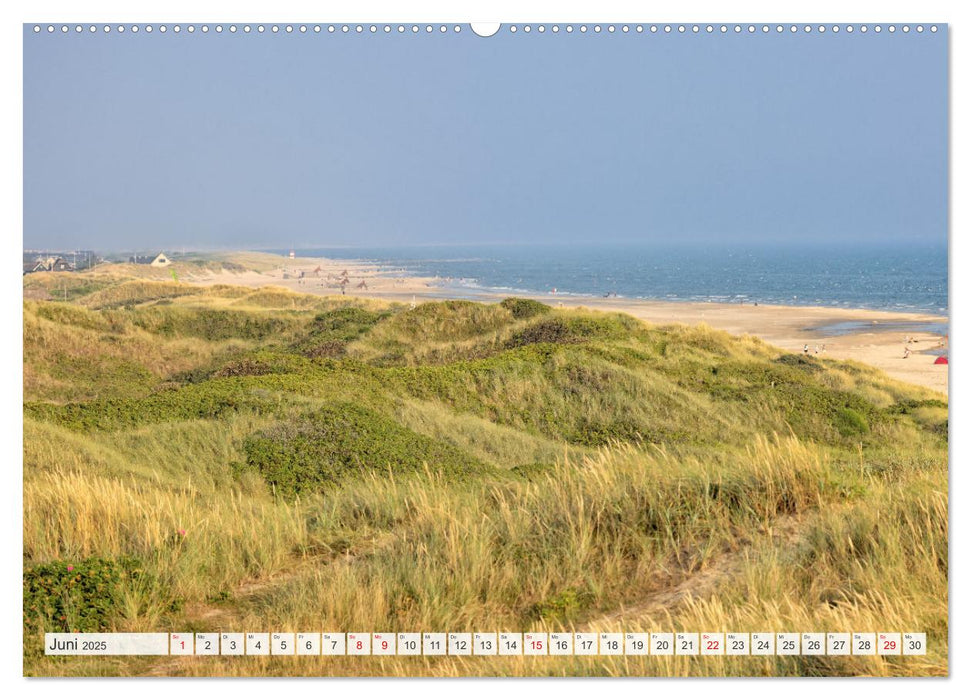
(343,440)
(80,596)
(850,423)
(331,331)
(524,308)
(213,324)
(575,329)
(207,400)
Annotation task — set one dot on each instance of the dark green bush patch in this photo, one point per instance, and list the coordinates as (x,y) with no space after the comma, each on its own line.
(76,596)
(245,367)
(325,349)
(811,409)
(567,330)
(524,308)
(594,433)
(904,408)
(105,371)
(533,471)
(213,324)
(344,440)
(562,607)
(851,423)
(449,321)
(805,362)
(552,330)
(208,400)
(331,331)
(345,323)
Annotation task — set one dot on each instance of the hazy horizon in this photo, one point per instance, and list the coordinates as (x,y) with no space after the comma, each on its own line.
(232,141)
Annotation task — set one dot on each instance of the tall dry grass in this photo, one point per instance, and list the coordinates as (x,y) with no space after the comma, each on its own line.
(829,533)
(197,543)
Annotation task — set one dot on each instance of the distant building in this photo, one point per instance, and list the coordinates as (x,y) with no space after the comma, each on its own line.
(293,254)
(49,264)
(59,260)
(159,260)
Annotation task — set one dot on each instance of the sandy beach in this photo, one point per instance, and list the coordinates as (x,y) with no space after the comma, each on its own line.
(877,338)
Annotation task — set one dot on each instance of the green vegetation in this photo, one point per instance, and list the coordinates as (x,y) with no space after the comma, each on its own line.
(524,308)
(83,596)
(325,447)
(218,457)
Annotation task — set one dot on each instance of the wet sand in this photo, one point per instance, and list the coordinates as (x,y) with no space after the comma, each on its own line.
(877,338)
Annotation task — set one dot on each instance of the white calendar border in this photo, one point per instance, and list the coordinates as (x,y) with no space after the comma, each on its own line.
(14,14)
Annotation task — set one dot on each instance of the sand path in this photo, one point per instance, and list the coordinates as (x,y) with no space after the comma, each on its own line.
(786,532)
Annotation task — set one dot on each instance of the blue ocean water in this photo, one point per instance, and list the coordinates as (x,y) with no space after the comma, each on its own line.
(899,276)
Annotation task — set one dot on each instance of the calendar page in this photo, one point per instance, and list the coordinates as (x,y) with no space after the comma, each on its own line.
(450,349)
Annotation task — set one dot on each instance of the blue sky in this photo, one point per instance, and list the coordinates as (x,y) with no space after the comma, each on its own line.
(145,141)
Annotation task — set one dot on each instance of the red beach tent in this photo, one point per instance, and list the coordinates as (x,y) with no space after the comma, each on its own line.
(941,360)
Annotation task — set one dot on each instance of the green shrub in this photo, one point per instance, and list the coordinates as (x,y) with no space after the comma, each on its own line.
(563,606)
(344,440)
(81,596)
(850,423)
(594,433)
(533,471)
(576,329)
(325,349)
(331,331)
(553,330)
(345,323)
(908,407)
(206,400)
(213,324)
(446,321)
(524,308)
(245,367)
(800,361)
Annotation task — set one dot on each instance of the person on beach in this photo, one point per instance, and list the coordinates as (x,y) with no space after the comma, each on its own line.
(906,353)
(805,349)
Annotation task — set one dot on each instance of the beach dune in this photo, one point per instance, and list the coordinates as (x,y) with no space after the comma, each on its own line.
(877,338)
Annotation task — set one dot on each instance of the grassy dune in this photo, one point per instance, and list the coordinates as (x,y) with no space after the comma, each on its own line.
(221,458)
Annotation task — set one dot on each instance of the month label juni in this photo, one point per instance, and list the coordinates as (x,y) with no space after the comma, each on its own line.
(487,644)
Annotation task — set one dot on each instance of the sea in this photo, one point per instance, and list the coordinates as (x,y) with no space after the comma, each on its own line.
(885,276)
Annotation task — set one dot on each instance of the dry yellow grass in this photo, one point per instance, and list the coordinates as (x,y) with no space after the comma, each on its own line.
(814,500)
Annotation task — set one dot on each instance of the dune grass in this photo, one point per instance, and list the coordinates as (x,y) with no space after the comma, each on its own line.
(235,460)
